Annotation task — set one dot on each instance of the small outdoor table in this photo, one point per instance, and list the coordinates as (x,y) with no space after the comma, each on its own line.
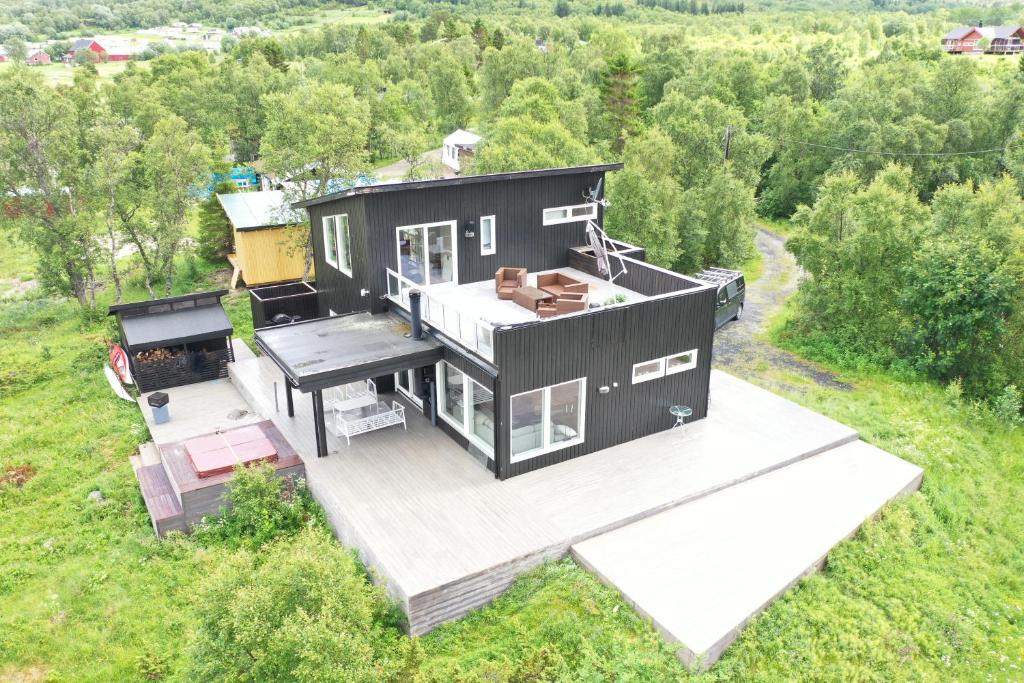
(529,297)
(681,413)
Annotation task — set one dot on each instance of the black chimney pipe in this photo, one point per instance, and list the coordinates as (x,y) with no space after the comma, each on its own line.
(414,309)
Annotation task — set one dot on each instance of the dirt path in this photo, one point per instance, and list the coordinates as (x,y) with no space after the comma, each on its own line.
(739,346)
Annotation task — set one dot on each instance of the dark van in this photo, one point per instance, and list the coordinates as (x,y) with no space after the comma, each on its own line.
(731,293)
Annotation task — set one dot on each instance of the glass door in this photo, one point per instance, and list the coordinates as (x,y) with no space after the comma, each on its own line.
(404,384)
(427,254)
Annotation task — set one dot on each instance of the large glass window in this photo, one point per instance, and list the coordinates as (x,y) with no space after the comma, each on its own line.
(412,258)
(487,236)
(331,241)
(466,405)
(526,417)
(427,253)
(547,419)
(566,400)
(344,245)
(482,423)
(453,397)
(337,243)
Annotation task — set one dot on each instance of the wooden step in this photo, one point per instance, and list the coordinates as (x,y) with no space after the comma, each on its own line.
(161,501)
(701,571)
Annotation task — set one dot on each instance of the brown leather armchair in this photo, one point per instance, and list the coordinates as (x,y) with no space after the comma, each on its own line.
(508,280)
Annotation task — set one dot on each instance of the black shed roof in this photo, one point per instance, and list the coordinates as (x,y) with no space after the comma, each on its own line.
(460,180)
(176,320)
(328,352)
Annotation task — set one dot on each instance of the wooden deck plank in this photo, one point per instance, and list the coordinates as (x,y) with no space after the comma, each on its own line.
(439,528)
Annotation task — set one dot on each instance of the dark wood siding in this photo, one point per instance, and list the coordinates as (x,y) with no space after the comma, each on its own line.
(651,280)
(517,205)
(337,291)
(602,346)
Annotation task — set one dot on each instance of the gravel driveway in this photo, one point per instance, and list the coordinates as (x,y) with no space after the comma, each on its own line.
(739,346)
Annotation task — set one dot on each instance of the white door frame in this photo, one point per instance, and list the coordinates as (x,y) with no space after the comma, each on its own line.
(408,394)
(452,225)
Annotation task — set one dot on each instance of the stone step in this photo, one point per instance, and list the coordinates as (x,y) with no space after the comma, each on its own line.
(701,571)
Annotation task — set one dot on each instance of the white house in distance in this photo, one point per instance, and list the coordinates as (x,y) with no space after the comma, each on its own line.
(459,147)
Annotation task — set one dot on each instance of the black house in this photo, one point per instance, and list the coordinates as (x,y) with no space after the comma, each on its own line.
(542,340)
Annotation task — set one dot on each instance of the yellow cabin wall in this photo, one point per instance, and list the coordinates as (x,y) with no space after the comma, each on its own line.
(268,256)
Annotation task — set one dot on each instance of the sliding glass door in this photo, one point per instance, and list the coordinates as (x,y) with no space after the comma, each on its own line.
(427,254)
(467,406)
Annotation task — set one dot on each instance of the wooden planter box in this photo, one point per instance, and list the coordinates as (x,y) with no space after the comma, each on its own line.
(294,298)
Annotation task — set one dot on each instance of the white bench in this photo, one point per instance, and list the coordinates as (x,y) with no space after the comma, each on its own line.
(368,418)
(353,396)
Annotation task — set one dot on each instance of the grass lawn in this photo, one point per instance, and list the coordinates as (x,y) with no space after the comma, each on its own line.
(63,74)
(931,591)
(780,226)
(349,16)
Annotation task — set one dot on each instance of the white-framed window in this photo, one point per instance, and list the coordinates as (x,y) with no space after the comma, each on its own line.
(648,370)
(548,419)
(570,214)
(466,405)
(428,254)
(681,362)
(488,236)
(660,367)
(338,243)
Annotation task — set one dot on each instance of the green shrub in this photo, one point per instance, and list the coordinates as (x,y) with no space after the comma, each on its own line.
(300,610)
(1008,405)
(261,507)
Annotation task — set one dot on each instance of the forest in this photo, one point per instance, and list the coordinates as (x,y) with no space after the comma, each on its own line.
(895,172)
(900,166)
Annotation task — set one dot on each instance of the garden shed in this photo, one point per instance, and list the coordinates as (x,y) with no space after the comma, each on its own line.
(268,237)
(175,341)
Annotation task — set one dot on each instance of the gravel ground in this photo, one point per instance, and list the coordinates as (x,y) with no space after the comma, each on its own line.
(739,345)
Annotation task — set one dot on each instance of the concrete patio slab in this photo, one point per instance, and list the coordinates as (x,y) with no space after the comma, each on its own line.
(201,408)
(702,570)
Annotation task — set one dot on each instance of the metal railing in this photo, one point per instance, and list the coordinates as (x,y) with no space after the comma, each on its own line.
(468,330)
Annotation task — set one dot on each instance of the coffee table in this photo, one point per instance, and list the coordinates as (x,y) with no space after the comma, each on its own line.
(529,297)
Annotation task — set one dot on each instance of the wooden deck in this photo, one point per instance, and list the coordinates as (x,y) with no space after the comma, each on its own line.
(447,537)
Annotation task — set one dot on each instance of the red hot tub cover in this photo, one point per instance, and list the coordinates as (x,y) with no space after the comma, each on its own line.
(219,453)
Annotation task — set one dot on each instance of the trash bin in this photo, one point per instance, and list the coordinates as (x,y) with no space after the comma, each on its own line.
(158,400)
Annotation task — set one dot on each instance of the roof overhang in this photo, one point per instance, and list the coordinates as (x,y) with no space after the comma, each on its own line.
(460,180)
(182,326)
(328,352)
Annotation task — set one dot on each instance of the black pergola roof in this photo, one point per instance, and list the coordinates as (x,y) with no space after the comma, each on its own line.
(328,352)
(186,325)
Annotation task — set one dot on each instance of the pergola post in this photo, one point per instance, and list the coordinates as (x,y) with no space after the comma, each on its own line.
(320,426)
(288,396)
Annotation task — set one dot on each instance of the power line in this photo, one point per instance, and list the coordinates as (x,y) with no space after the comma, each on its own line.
(886,153)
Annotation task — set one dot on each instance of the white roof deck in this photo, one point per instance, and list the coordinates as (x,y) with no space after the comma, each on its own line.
(479,299)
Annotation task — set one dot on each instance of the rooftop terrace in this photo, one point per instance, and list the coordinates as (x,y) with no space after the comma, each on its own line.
(470,312)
